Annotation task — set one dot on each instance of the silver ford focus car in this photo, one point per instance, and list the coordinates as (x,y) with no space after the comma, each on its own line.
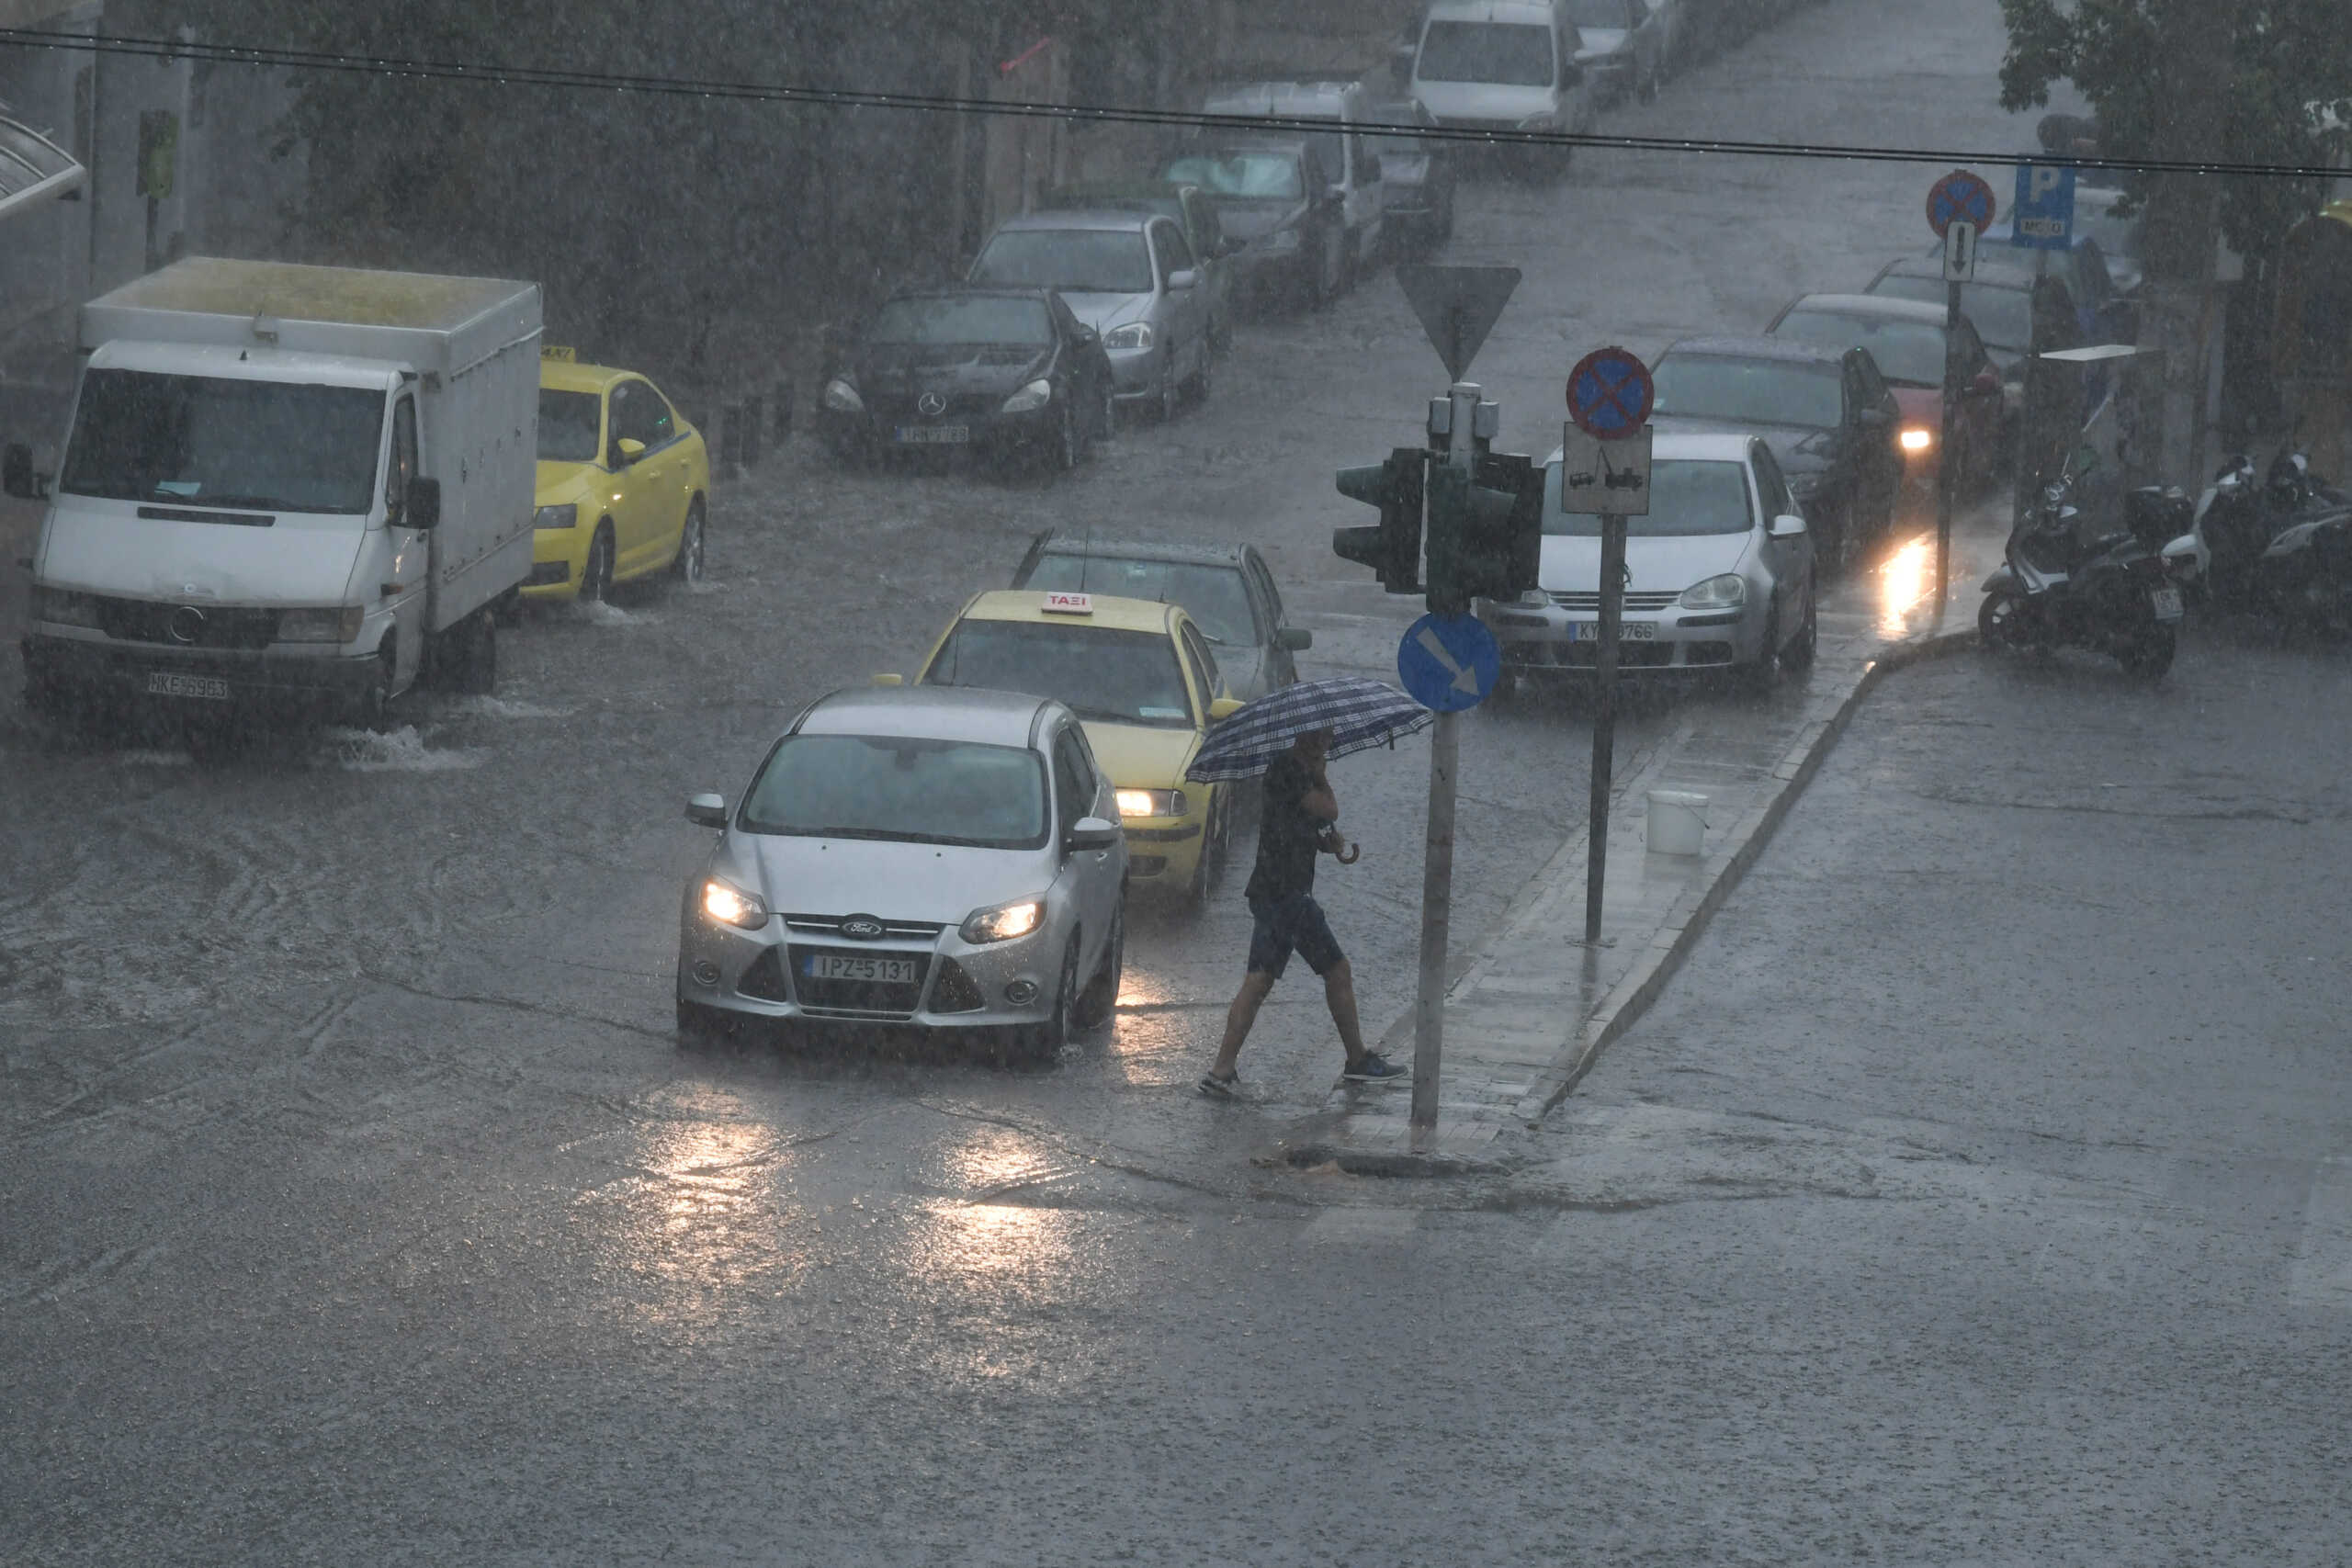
(935,856)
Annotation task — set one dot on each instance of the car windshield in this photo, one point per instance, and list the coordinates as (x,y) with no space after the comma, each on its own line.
(1258,176)
(1687,496)
(1086,261)
(966,319)
(1508,55)
(909,790)
(1117,677)
(215,441)
(1212,595)
(2002,316)
(1164,204)
(1749,391)
(1910,353)
(1597,12)
(568,426)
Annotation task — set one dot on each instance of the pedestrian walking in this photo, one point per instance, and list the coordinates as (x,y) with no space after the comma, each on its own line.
(1298,822)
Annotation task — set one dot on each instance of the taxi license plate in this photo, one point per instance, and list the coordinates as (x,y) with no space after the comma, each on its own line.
(852,966)
(1627,631)
(2166,602)
(935,435)
(163,686)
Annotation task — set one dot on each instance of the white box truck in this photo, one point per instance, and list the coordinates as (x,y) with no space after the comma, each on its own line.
(285,486)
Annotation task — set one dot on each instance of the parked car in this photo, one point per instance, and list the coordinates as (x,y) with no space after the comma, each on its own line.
(1223,586)
(1906,339)
(1349,158)
(1504,66)
(1624,47)
(1719,575)
(1190,209)
(1002,371)
(624,483)
(2083,266)
(2001,302)
(1129,275)
(947,859)
(1274,198)
(1828,416)
(1140,676)
(1416,174)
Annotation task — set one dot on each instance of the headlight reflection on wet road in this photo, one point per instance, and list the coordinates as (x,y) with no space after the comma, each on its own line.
(1907,584)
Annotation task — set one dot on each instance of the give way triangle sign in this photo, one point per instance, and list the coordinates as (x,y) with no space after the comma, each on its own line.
(1458,307)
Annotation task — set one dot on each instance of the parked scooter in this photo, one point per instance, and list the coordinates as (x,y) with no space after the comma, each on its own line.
(2278,547)
(2105,592)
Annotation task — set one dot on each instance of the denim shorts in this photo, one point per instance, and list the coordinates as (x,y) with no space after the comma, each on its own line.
(1294,924)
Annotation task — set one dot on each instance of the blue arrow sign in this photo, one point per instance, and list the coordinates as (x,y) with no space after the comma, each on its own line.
(2043,217)
(1449,663)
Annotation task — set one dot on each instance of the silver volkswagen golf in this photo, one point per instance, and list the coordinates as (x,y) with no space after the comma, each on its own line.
(935,856)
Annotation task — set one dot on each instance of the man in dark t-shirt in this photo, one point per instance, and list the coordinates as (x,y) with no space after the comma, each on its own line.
(1295,826)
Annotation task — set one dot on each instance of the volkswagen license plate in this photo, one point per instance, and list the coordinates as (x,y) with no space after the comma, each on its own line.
(857,966)
(2166,602)
(935,435)
(160,684)
(1627,631)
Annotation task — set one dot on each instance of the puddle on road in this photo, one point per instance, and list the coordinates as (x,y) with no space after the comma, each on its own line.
(402,750)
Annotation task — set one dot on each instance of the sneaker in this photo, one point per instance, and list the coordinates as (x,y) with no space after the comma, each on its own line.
(1374,1067)
(1217,1088)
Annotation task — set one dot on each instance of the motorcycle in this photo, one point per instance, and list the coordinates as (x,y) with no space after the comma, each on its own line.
(2281,548)
(2107,593)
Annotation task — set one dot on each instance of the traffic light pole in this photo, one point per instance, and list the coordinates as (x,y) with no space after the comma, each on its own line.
(1604,718)
(1947,478)
(1437,851)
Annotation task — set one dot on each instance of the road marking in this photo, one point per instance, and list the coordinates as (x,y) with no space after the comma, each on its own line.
(1464,681)
(2322,1275)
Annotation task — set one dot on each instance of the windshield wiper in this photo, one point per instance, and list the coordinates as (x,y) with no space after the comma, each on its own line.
(266,502)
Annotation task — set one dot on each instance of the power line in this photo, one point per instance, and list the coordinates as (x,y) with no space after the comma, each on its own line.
(500,75)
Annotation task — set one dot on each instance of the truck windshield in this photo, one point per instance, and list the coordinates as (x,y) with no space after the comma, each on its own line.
(212,441)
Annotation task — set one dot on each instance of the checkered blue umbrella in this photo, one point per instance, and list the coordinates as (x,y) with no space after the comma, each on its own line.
(1360,714)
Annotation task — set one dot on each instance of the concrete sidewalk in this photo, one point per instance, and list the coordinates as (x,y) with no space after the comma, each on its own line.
(1531,1006)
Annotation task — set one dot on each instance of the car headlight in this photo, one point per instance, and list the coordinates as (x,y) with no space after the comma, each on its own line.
(60,608)
(567,516)
(1151,803)
(1726,591)
(723,901)
(1134,334)
(1003,922)
(1535,598)
(1280,240)
(1916,438)
(842,398)
(1036,395)
(340,624)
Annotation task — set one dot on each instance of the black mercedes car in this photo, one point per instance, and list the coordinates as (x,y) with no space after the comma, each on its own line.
(1001,371)
(1828,416)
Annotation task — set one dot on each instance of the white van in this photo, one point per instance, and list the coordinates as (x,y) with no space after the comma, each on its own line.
(1504,65)
(285,486)
(1354,157)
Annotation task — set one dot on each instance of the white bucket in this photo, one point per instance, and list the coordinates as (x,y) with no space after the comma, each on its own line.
(1677,822)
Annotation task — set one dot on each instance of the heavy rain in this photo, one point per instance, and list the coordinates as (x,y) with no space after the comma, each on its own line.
(1175,781)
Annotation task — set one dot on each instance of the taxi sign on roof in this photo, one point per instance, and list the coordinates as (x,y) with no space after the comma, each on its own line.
(1069,604)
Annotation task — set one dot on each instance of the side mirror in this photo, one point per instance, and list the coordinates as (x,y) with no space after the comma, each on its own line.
(890,680)
(423,509)
(1086,337)
(707,810)
(1298,639)
(1092,833)
(1223,708)
(16,472)
(1786,527)
(1183,277)
(630,449)
(1874,419)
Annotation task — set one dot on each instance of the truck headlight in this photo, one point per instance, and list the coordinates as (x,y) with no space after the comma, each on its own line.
(567,516)
(842,398)
(1036,395)
(1916,438)
(1726,591)
(339,625)
(1003,922)
(1134,334)
(1151,802)
(723,901)
(60,607)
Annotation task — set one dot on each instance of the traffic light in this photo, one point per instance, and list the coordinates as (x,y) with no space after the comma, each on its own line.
(1392,547)
(1485,531)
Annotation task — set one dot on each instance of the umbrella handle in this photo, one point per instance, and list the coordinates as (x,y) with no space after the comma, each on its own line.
(1347,853)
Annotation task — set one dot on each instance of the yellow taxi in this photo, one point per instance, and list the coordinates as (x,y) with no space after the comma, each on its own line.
(1143,683)
(623,485)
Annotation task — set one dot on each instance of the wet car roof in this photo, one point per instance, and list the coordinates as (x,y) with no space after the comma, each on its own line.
(1744,347)
(1203,552)
(1881,306)
(928,713)
(1078,218)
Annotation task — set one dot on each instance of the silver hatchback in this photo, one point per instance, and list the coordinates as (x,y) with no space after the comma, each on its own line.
(939,857)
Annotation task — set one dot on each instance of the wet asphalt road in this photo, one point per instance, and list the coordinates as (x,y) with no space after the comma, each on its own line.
(360,1207)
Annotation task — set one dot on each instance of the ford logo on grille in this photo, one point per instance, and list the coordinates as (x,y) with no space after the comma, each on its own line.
(860,928)
(931,403)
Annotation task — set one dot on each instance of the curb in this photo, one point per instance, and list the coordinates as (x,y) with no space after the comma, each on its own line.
(1686,920)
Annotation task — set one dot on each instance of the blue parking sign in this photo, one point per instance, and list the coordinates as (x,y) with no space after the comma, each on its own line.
(2043,215)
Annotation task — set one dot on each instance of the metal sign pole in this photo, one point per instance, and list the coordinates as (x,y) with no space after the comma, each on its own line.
(1947,478)
(1604,718)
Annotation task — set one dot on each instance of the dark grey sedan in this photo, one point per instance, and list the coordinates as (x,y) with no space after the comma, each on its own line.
(1224,587)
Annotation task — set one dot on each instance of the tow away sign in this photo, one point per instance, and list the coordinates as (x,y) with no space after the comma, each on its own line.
(1605,478)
